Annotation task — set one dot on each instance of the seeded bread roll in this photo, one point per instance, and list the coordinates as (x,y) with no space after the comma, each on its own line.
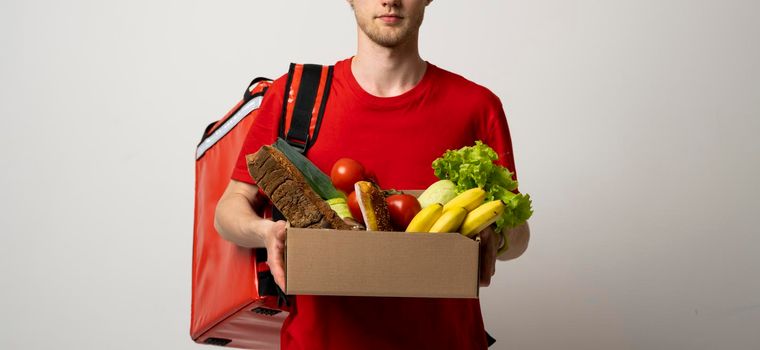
(372,204)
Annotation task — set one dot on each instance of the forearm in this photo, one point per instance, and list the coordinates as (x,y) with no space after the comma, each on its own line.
(518,238)
(236,220)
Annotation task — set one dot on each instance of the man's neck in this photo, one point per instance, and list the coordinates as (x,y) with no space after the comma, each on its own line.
(387,72)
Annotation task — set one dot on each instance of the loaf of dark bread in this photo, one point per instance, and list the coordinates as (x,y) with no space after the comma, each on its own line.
(288,190)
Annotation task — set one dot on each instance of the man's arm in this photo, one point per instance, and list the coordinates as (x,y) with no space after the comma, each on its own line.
(237,222)
(494,131)
(518,238)
(235,219)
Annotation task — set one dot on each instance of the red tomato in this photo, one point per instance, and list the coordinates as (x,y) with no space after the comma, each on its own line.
(403,208)
(345,173)
(353,207)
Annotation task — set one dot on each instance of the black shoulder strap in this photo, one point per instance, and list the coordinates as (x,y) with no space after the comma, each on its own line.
(305,98)
(306,93)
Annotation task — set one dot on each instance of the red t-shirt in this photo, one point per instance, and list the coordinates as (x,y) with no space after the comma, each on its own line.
(396,138)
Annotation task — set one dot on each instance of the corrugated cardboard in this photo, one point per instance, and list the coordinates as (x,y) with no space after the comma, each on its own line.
(369,263)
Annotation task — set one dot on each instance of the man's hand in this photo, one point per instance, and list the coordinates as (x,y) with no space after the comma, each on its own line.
(490,241)
(274,240)
(517,240)
(489,244)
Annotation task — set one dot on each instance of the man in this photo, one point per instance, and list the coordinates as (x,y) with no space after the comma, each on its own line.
(395,113)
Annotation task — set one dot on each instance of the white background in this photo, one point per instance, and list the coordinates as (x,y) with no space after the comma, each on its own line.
(634,125)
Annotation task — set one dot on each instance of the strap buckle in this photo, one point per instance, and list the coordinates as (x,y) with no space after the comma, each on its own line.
(298,144)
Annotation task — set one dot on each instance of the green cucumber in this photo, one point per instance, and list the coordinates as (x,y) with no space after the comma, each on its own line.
(318,180)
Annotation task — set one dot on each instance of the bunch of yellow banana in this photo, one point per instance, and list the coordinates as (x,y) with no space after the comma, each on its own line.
(482,216)
(465,213)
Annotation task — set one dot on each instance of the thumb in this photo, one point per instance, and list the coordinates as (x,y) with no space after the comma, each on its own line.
(280,230)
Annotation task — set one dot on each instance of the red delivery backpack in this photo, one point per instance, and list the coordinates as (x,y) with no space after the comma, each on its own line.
(235,301)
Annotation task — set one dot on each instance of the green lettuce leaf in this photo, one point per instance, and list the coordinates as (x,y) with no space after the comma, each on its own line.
(473,166)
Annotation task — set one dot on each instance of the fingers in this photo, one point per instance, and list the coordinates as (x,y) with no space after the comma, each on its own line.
(486,273)
(275,253)
(488,247)
(278,272)
(280,230)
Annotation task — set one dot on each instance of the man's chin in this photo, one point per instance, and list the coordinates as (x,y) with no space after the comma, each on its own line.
(388,43)
(387,39)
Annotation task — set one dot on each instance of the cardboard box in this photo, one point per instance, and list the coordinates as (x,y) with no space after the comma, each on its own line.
(370,263)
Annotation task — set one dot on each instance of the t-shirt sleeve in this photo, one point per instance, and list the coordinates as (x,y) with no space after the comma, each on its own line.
(494,131)
(263,130)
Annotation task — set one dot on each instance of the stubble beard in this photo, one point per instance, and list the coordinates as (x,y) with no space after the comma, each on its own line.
(390,38)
